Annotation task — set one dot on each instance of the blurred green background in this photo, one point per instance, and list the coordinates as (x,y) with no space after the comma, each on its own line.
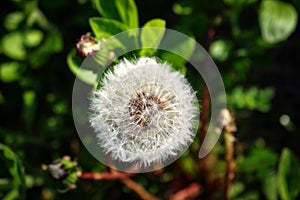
(255,45)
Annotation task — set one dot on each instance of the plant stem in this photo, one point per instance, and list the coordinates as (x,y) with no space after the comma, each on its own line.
(138,189)
(103,176)
(229,129)
(189,192)
(204,115)
(230,163)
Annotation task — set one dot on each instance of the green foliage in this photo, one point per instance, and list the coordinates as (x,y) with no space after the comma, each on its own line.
(12,181)
(253,98)
(13,20)
(65,170)
(288,175)
(124,11)
(128,12)
(184,47)
(13,46)
(110,25)
(29,99)
(258,163)
(85,75)
(257,167)
(277,20)
(220,50)
(156,35)
(182,10)
(261,164)
(104,28)
(107,9)
(269,186)
(33,38)
(10,71)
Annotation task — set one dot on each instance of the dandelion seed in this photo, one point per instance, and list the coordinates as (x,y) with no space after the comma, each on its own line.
(144,112)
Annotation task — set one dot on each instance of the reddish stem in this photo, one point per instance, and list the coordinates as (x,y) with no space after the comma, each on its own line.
(103,176)
(189,192)
(138,189)
(204,114)
(205,93)
(230,163)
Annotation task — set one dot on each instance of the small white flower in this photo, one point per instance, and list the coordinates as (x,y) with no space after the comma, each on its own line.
(144,112)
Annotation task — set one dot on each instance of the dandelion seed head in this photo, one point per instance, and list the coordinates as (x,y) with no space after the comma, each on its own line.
(144,112)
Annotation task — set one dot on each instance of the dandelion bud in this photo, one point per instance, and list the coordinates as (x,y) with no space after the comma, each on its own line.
(87,45)
(144,112)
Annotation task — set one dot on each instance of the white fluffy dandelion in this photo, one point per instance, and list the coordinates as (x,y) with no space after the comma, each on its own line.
(144,112)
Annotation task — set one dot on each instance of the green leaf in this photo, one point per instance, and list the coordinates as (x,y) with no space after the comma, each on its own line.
(105,28)
(270,186)
(253,98)
(277,20)
(176,61)
(13,166)
(220,50)
(87,76)
(188,165)
(151,37)
(182,48)
(128,12)
(107,9)
(29,99)
(251,195)
(53,43)
(236,189)
(288,175)
(36,16)
(13,45)
(259,162)
(33,37)
(181,9)
(10,71)
(13,20)
(178,51)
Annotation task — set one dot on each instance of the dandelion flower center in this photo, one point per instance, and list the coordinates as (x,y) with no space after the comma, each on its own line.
(151,102)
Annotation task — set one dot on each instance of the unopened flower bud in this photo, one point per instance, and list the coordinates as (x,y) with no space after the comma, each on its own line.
(87,45)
